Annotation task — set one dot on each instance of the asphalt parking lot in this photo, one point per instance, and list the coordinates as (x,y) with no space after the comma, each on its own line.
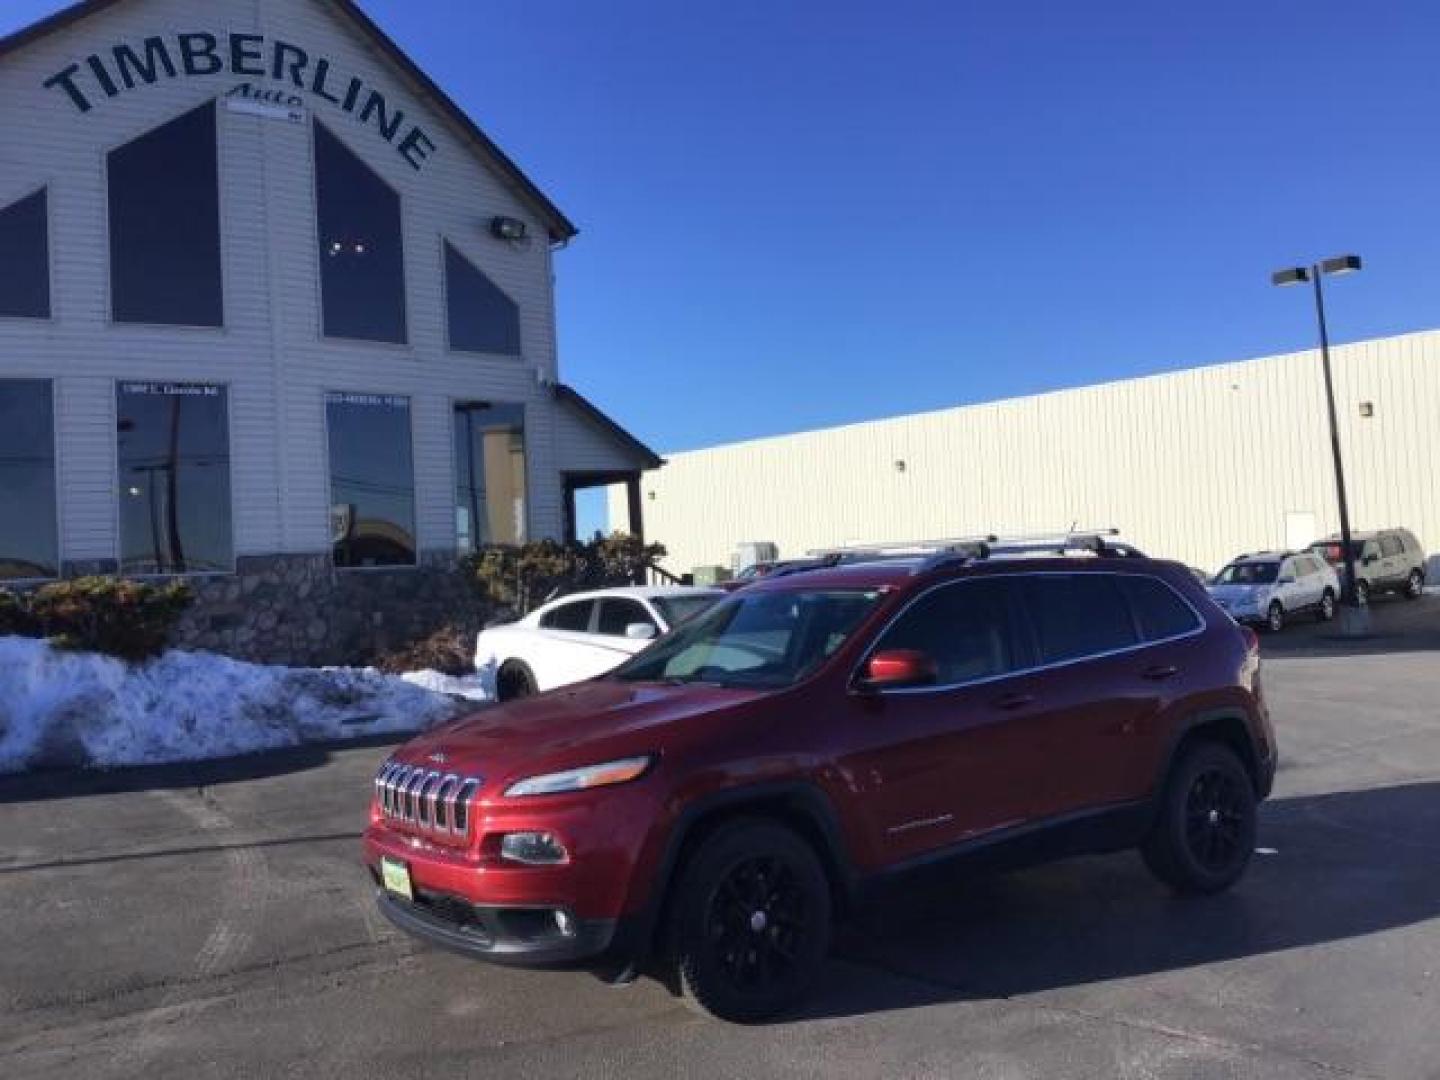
(215,921)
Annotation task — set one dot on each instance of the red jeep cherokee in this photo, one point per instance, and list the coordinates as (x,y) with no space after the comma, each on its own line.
(709,808)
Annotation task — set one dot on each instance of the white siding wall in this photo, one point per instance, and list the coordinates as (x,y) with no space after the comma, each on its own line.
(270,352)
(1197,465)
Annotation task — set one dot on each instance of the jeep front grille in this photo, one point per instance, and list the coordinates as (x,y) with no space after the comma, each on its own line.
(426,800)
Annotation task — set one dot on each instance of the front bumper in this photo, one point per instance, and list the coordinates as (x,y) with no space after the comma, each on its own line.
(525,937)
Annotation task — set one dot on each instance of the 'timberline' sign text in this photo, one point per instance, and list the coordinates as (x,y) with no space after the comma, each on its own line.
(252,56)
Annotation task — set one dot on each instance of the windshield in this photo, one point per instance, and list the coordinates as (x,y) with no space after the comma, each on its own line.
(679,609)
(1248,573)
(764,640)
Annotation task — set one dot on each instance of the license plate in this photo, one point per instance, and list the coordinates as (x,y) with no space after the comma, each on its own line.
(396,876)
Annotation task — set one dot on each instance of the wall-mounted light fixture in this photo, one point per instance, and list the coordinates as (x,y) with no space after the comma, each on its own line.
(508,228)
(899,464)
(1367,409)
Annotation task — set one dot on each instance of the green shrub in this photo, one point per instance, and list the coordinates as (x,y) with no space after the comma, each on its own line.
(15,615)
(521,578)
(128,619)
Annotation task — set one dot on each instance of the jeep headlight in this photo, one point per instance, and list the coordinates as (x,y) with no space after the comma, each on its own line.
(590,776)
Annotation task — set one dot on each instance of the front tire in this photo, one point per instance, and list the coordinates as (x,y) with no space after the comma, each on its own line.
(1275,617)
(750,922)
(1414,585)
(1327,606)
(1362,592)
(1204,835)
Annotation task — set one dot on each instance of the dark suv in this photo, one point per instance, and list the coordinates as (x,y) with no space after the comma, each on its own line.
(709,809)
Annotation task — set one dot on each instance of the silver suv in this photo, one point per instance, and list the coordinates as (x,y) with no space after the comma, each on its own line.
(1270,586)
(1388,560)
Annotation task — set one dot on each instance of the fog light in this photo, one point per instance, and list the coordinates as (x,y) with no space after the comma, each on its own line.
(565,923)
(532,848)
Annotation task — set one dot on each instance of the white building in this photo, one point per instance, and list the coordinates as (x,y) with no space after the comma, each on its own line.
(267,293)
(1197,465)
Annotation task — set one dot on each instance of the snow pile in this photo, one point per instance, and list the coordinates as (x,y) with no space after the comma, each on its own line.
(472,687)
(67,709)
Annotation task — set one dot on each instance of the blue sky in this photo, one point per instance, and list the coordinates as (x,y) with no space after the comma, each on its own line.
(797,213)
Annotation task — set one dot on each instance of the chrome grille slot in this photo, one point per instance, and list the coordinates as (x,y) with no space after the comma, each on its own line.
(444,795)
(412,795)
(461,823)
(426,800)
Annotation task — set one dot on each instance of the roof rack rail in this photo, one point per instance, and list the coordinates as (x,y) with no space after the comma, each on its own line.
(902,548)
(959,550)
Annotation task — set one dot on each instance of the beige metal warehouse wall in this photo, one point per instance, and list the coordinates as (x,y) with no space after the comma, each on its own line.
(1195,465)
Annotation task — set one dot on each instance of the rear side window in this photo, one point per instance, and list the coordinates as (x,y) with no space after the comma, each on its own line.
(1076,615)
(1159,612)
(1390,545)
(968,628)
(616,615)
(573,617)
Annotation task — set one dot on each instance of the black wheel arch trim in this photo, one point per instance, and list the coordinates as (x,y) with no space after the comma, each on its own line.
(1260,765)
(797,797)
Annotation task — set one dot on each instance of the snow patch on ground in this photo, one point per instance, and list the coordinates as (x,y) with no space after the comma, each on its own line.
(69,709)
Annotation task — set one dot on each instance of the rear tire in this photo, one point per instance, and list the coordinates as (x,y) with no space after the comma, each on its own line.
(1414,585)
(750,922)
(1204,834)
(1327,606)
(515,680)
(1275,617)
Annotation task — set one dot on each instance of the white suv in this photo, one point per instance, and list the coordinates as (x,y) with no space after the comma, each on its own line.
(1389,560)
(1270,586)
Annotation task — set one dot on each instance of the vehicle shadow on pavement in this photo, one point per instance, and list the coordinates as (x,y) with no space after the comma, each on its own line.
(1345,865)
(75,783)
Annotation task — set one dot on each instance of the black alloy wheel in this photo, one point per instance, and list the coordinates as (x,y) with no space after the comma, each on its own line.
(1275,617)
(1327,606)
(1414,585)
(750,922)
(1214,818)
(1204,832)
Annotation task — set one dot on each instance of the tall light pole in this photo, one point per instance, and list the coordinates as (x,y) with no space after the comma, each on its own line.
(1295,275)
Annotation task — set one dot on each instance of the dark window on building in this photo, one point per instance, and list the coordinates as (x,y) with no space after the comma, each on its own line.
(372,480)
(165,225)
(174,472)
(1159,611)
(25,258)
(1078,615)
(967,628)
(489,452)
(481,317)
(362,264)
(572,617)
(616,615)
(28,547)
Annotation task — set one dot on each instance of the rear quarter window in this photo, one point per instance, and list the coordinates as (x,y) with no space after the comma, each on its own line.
(1160,613)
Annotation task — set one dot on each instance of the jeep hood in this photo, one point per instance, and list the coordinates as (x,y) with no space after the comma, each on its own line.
(570,726)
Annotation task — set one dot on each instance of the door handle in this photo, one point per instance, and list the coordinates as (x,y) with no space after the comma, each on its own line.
(1011,702)
(1158,672)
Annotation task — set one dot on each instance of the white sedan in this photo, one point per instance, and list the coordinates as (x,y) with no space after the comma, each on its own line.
(580,636)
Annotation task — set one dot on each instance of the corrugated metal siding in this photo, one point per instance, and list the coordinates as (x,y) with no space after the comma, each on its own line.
(1196,465)
(270,352)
